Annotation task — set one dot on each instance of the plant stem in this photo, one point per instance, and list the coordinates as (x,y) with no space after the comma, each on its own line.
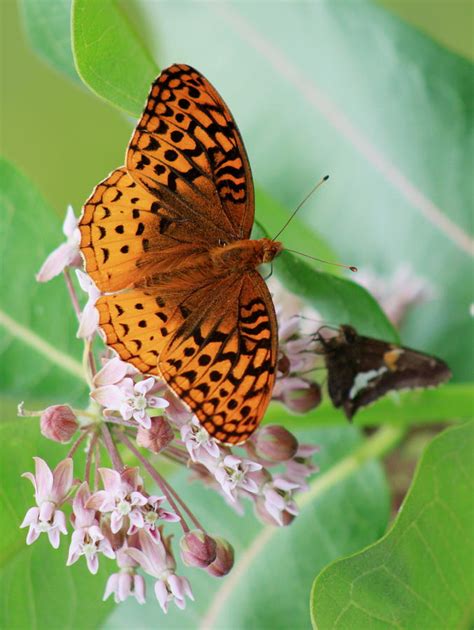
(78,442)
(72,292)
(112,449)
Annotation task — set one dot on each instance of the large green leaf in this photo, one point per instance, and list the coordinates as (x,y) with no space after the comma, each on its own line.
(270,583)
(389,120)
(40,355)
(38,590)
(48,25)
(110,56)
(420,574)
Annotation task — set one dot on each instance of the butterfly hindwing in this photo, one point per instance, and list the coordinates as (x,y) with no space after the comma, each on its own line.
(225,368)
(362,369)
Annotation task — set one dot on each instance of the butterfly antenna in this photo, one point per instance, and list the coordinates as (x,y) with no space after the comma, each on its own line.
(326,262)
(314,189)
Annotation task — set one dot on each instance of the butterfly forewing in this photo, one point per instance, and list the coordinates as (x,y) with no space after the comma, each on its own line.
(187,150)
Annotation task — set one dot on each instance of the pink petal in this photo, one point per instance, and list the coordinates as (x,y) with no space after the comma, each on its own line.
(89,321)
(53,535)
(62,480)
(136,518)
(176,586)
(84,517)
(111,480)
(161,593)
(169,516)
(113,371)
(109,396)
(116,521)
(44,480)
(124,586)
(111,586)
(142,418)
(139,589)
(143,387)
(158,403)
(84,281)
(106,548)
(70,222)
(32,535)
(60,521)
(31,477)
(101,501)
(93,563)
(132,479)
(55,263)
(137,498)
(30,517)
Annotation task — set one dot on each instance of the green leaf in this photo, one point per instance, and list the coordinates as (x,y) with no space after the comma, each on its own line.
(110,57)
(389,120)
(420,574)
(270,583)
(39,591)
(48,26)
(39,350)
(448,402)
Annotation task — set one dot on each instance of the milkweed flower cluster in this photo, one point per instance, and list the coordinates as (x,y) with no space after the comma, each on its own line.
(108,509)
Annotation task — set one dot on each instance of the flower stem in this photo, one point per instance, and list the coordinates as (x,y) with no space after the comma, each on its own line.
(90,453)
(184,506)
(157,478)
(72,293)
(78,442)
(112,449)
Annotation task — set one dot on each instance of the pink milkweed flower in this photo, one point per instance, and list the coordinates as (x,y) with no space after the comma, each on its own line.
(51,490)
(87,539)
(127,582)
(131,399)
(153,514)
(89,319)
(121,498)
(278,498)
(66,254)
(234,473)
(301,466)
(155,558)
(199,444)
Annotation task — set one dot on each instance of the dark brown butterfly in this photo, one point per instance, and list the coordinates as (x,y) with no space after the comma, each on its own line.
(362,369)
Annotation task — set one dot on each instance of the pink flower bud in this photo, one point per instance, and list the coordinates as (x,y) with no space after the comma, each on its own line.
(198,549)
(283,364)
(275,443)
(304,399)
(157,437)
(224,559)
(58,423)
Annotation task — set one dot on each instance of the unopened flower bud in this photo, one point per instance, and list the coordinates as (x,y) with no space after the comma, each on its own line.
(304,399)
(157,437)
(198,549)
(283,365)
(58,423)
(224,558)
(275,443)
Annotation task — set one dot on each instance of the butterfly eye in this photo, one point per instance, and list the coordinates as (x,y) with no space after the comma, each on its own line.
(222,243)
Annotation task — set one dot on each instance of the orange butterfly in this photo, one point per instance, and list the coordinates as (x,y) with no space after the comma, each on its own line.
(166,239)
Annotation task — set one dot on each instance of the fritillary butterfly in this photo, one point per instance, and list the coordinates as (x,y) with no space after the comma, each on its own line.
(166,240)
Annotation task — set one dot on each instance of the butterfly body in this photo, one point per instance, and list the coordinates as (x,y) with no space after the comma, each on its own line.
(166,239)
(362,369)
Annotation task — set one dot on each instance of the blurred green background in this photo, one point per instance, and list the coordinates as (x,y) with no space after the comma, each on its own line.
(49,124)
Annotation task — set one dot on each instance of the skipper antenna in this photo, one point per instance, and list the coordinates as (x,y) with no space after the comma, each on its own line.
(327,262)
(313,190)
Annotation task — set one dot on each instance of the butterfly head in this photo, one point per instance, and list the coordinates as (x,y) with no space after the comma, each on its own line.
(269,249)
